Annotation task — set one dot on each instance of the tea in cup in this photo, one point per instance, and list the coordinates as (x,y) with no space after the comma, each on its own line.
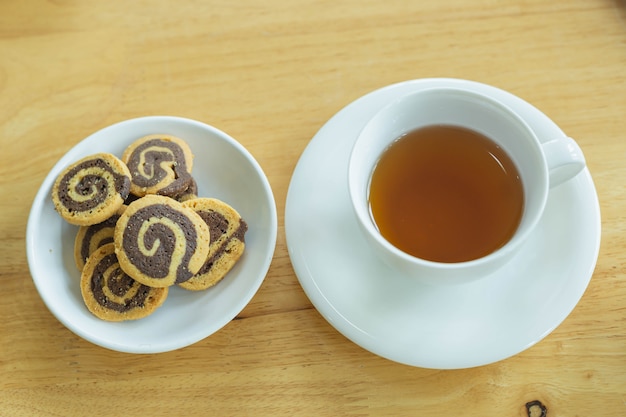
(447,183)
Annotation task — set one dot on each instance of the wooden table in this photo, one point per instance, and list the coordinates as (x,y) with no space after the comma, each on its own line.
(271,74)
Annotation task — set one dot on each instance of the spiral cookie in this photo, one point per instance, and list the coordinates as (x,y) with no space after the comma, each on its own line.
(110,294)
(91,190)
(159,164)
(159,242)
(227,241)
(90,238)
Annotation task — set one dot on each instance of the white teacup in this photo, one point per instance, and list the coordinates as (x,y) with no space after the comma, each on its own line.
(542,164)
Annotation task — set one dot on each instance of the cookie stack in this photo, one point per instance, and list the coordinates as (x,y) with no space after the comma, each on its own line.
(143,227)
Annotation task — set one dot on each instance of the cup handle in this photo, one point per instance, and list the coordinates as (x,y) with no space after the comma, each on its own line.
(565,159)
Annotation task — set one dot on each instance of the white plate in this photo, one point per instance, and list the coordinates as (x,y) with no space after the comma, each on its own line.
(411,323)
(223,169)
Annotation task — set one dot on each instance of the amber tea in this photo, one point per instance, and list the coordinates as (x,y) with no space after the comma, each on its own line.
(446,194)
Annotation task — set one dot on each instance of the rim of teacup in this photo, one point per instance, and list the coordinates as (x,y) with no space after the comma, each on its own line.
(359,193)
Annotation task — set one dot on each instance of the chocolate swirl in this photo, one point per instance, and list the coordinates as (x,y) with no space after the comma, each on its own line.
(189,194)
(90,238)
(226,245)
(111,294)
(159,165)
(114,289)
(222,234)
(89,184)
(163,243)
(91,190)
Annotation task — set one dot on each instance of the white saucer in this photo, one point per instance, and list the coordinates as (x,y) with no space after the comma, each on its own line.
(434,327)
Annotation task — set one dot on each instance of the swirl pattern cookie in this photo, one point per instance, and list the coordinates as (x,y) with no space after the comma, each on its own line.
(159,242)
(91,190)
(227,242)
(159,164)
(110,294)
(90,238)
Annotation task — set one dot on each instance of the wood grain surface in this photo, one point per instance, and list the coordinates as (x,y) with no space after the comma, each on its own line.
(271,74)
